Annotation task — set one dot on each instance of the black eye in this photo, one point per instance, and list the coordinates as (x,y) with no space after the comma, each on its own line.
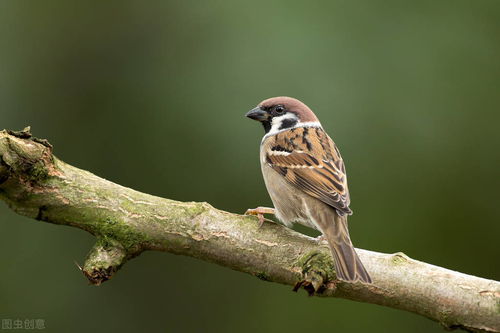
(279,109)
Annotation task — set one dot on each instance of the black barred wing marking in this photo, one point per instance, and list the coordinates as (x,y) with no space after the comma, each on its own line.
(312,164)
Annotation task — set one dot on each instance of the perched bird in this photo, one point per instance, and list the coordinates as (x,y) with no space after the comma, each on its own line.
(306,179)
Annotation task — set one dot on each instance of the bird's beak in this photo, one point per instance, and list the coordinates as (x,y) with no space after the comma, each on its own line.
(257,114)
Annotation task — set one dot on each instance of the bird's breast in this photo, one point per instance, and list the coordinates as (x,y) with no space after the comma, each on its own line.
(289,202)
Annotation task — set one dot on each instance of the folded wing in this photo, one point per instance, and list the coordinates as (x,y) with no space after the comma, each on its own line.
(309,160)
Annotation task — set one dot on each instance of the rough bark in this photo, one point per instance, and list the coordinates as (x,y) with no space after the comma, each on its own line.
(125,222)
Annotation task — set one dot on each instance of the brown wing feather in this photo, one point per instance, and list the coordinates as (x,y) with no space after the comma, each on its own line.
(309,159)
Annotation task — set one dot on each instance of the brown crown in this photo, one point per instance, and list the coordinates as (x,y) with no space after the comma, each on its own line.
(292,105)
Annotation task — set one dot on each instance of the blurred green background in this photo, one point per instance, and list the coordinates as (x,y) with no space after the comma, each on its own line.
(409,90)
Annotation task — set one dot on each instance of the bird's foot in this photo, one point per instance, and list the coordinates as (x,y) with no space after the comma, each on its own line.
(259,212)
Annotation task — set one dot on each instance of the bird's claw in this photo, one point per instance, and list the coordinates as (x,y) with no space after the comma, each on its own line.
(259,212)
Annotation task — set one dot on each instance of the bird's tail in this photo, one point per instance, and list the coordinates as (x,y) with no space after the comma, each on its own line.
(347,263)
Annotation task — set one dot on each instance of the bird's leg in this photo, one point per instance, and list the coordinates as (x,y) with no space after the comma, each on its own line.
(259,212)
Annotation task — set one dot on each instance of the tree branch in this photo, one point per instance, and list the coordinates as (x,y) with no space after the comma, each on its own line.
(125,222)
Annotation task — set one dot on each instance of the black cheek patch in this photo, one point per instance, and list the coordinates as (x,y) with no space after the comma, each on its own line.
(287,123)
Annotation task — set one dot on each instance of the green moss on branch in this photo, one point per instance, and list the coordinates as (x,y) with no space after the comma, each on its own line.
(104,260)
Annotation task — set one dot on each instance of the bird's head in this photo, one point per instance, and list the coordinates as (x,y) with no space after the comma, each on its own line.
(281,113)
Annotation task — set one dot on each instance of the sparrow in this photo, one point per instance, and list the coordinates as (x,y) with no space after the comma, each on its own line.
(306,179)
